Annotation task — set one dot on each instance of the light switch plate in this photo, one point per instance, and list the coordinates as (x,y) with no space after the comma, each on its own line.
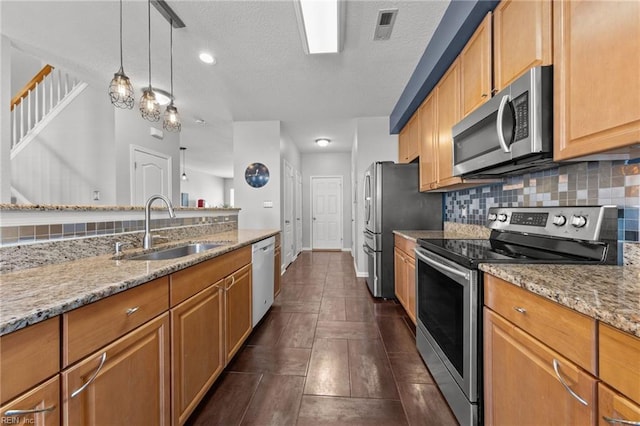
(267,204)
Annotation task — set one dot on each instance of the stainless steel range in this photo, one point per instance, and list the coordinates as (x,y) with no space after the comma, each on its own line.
(449,285)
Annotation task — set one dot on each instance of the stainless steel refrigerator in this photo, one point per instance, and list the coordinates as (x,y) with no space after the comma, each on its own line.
(392,201)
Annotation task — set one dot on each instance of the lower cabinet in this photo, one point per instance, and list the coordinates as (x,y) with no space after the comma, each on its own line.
(40,406)
(405,275)
(238,309)
(127,382)
(197,349)
(527,383)
(614,408)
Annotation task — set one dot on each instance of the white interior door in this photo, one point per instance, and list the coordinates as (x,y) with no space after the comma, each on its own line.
(288,241)
(150,175)
(298,197)
(326,213)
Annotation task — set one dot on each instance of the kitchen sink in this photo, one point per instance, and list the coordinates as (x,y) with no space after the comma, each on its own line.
(175,252)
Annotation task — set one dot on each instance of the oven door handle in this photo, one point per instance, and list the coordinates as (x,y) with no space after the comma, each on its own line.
(441,266)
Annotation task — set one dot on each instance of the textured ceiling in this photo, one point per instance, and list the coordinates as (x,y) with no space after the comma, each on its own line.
(261,73)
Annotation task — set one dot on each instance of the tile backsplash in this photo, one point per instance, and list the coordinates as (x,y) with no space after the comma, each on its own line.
(588,183)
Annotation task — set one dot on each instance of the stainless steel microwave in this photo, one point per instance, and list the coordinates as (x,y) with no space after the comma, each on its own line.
(512,133)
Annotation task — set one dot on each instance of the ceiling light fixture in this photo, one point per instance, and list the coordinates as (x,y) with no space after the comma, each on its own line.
(171,122)
(184,155)
(149,107)
(321,25)
(207,58)
(120,88)
(322,142)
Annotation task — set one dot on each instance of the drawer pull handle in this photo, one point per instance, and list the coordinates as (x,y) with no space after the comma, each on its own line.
(624,422)
(132,311)
(519,309)
(566,386)
(11,413)
(76,392)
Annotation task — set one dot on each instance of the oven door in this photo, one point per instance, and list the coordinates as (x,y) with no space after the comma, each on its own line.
(448,325)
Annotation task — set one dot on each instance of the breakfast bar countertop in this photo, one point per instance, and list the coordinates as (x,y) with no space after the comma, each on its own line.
(32,295)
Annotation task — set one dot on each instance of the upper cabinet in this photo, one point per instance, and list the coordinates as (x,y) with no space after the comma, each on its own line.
(596,77)
(448,113)
(521,38)
(428,144)
(408,141)
(475,68)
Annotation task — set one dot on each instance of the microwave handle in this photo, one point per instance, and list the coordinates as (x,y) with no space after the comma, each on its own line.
(503,103)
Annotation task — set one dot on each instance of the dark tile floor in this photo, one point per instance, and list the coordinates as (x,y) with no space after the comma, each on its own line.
(327,353)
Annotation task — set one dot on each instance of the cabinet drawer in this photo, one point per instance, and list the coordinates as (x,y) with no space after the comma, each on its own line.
(28,357)
(405,245)
(43,402)
(90,327)
(620,361)
(568,332)
(615,406)
(190,281)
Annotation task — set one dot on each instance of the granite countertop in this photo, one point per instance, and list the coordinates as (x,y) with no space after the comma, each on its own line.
(33,295)
(451,230)
(610,294)
(97,208)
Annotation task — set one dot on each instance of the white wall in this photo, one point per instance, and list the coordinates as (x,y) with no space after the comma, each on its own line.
(5,120)
(329,164)
(371,143)
(23,68)
(257,141)
(72,156)
(200,185)
(228,186)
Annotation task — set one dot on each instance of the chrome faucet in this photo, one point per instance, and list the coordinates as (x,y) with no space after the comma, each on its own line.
(147,240)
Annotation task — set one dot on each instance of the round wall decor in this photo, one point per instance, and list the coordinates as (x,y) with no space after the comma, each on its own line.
(256,175)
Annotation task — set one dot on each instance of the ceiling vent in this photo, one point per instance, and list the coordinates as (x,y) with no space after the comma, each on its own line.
(384,25)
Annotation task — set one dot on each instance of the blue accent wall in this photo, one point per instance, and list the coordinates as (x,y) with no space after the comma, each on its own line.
(460,20)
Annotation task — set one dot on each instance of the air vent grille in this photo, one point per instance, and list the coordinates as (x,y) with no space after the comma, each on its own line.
(384,24)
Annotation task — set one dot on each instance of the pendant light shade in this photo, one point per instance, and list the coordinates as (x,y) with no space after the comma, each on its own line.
(171,122)
(120,89)
(184,155)
(149,107)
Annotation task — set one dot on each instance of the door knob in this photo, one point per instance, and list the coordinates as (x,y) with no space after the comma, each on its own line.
(314,218)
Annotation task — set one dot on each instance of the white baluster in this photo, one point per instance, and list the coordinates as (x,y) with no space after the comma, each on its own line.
(28,110)
(50,77)
(21,118)
(36,111)
(14,129)
(59,86)
(66,84)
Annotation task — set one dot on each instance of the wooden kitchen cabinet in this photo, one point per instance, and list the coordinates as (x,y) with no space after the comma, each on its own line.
(448,114)
(428,144)
(596,78)
(238,310)
(40,406)
(619,361)
(521,386)
(197,349)
(405,275)
(475,68)
(408,141)
(613,407)
(127,382)
(522,38)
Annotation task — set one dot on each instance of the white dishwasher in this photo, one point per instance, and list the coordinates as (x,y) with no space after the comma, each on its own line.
(262,277)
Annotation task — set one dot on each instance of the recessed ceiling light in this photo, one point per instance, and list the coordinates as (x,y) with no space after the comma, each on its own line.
(322,142)
(320,25)
(207,58)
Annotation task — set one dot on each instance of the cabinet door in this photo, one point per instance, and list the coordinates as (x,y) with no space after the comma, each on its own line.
(413,143)
(197,349)
(400,271)
(535,395)
(403,144)
(411,287)
(475,68)
(614,408)
(40,406)
(448,113)
(522,38)
(238,309)
(596,77)
(125,383)
(428,143)
(277,276)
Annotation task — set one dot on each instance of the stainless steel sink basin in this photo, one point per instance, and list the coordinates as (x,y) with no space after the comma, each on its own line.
(176,252)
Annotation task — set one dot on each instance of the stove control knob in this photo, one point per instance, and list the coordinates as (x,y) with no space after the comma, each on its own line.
(559,220)
(578,221)
(492,217)
(502,217)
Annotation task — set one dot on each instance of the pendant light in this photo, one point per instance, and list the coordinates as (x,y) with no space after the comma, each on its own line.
(171,121)
(149,107)
(184,155)
(120,89)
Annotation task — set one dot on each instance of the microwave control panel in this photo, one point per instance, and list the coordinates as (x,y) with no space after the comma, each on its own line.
(521,111)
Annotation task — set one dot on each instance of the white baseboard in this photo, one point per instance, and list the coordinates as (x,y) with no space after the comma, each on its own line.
(358,273)
(306,249)
(347,249)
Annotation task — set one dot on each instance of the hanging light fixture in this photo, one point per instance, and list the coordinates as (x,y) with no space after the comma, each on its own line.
(184,155)
(171,121)
(120,89)
(149,107)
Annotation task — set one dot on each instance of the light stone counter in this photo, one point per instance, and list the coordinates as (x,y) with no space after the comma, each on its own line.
(451,230)
(610,294)
(33,295)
